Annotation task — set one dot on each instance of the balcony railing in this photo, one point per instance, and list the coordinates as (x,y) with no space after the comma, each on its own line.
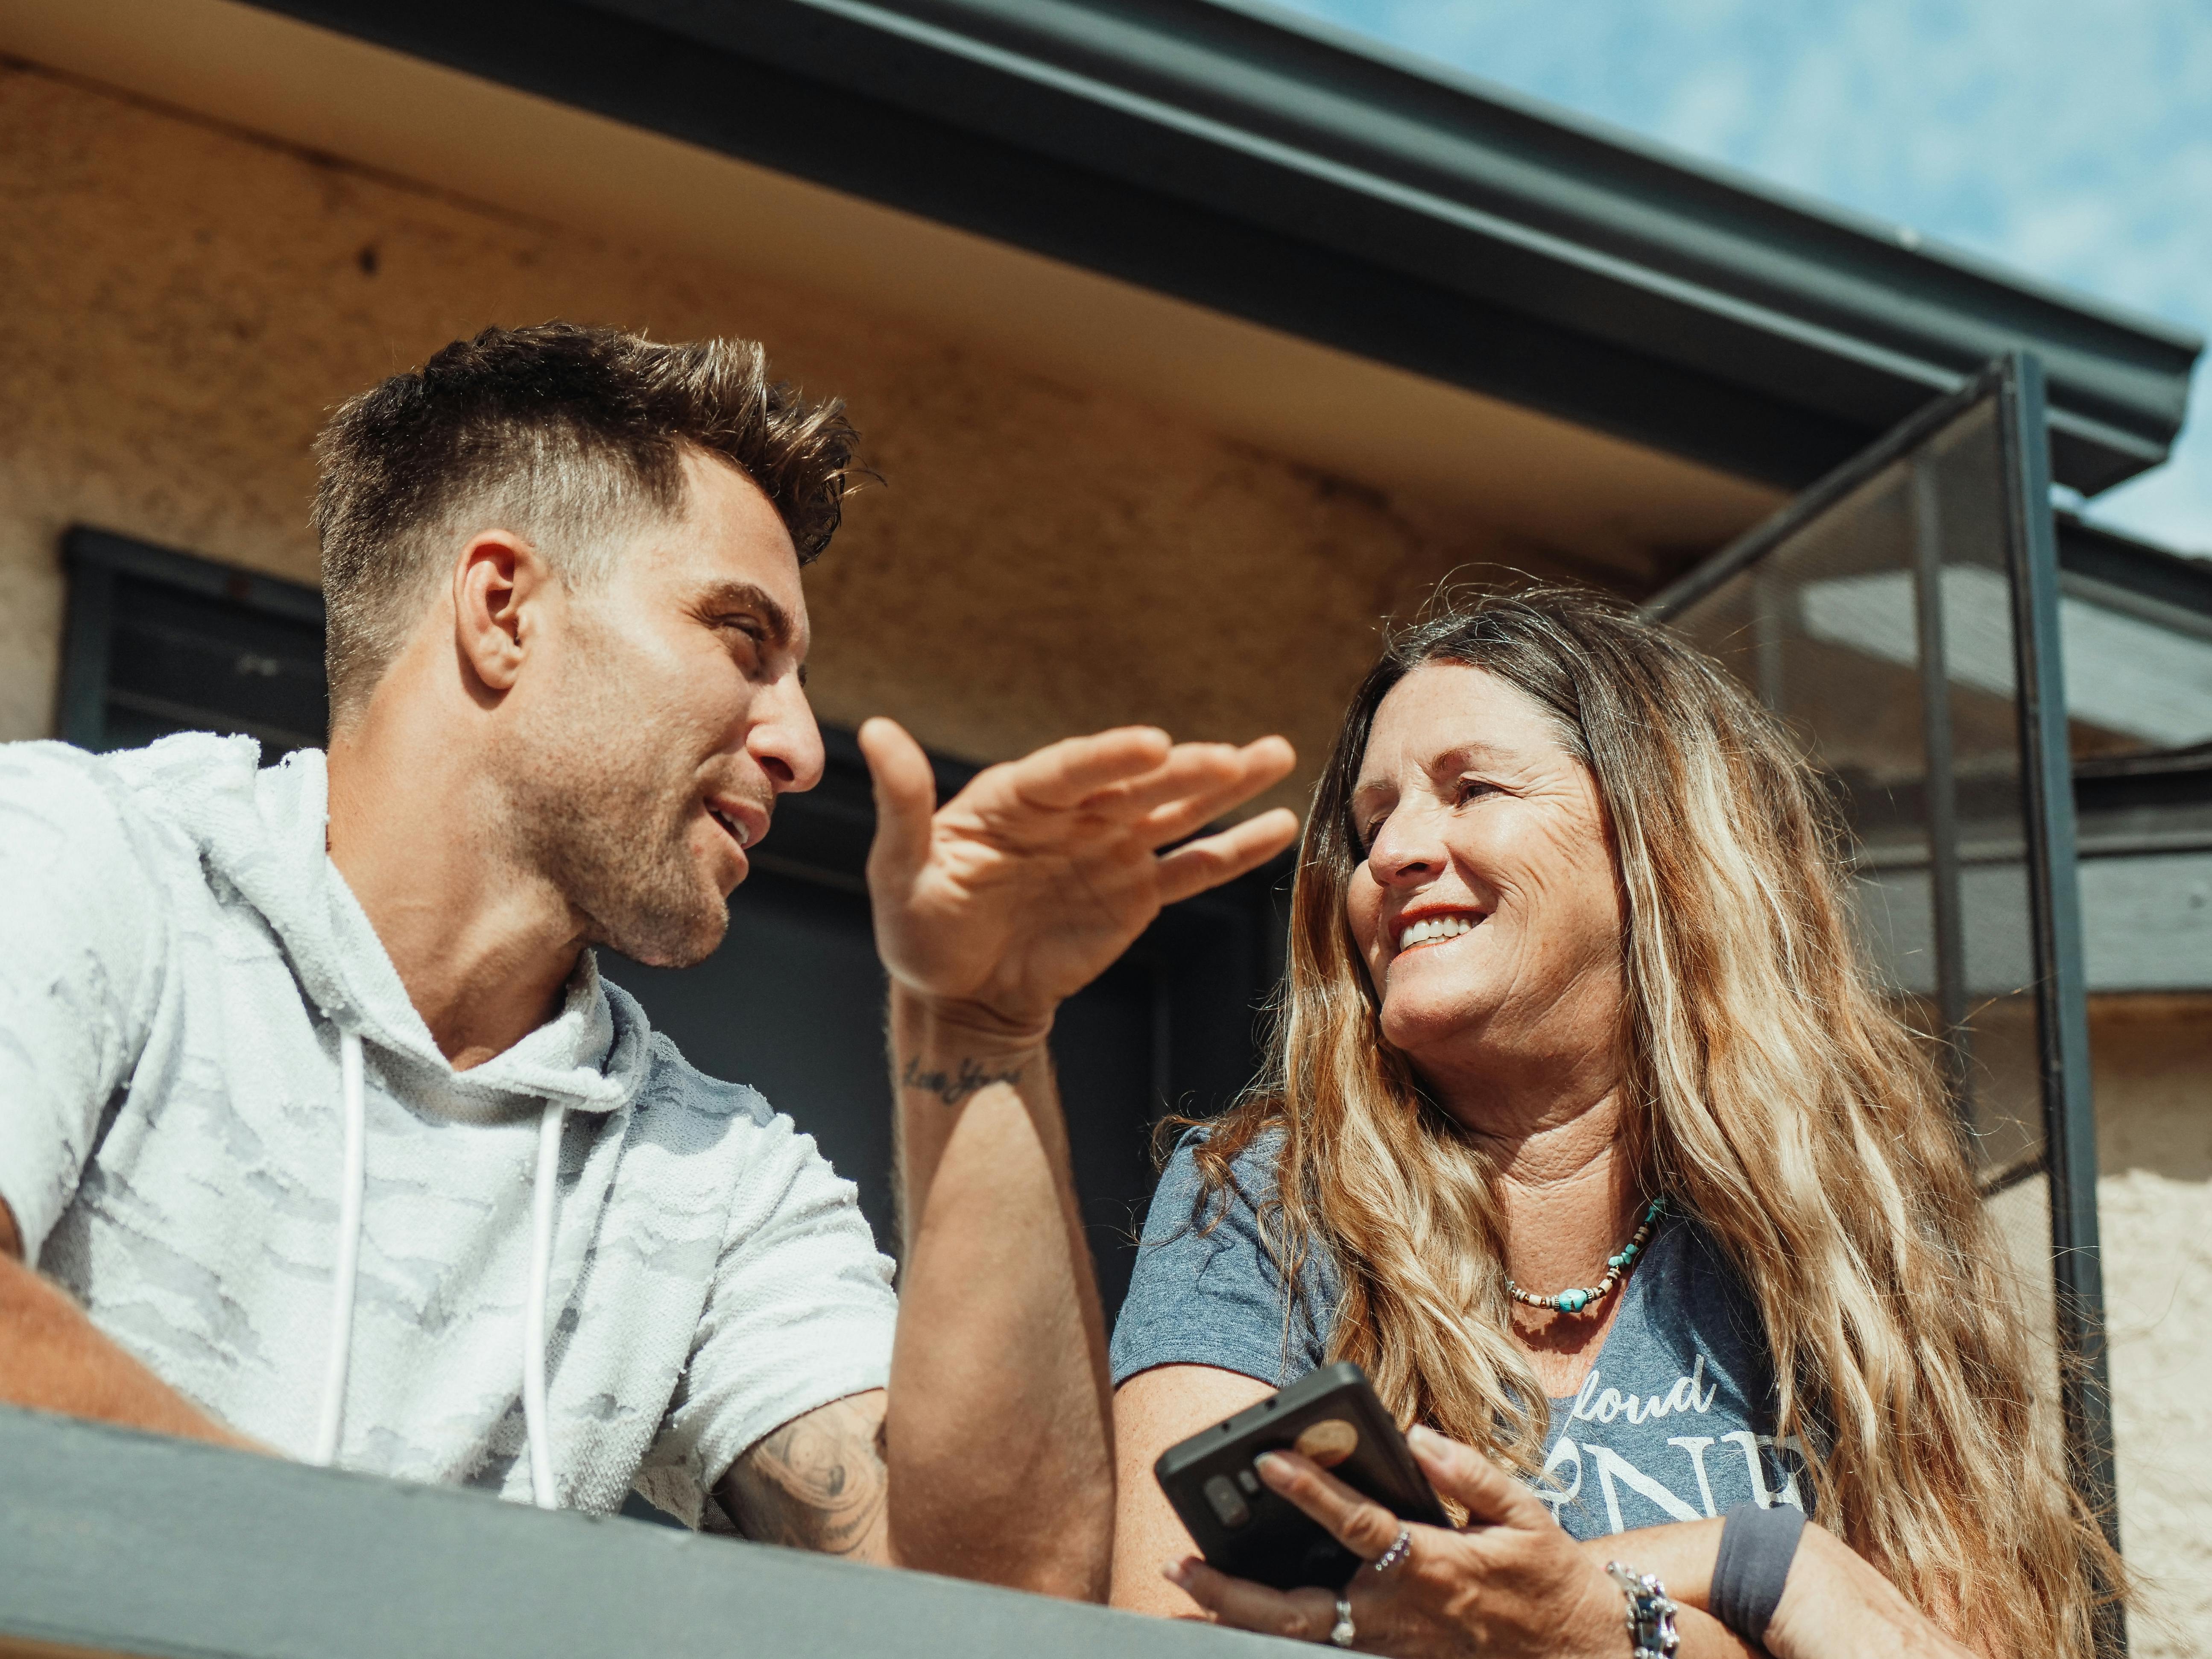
(113,1542)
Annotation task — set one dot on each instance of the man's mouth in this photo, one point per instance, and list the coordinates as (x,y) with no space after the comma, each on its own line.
(1436,929)
(731,826)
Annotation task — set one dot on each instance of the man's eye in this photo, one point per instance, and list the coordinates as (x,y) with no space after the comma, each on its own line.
(1474,789)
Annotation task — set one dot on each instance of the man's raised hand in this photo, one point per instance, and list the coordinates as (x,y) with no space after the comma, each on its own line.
(1032,880)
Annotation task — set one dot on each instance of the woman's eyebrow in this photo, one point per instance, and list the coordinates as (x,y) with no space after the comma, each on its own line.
(1474,752)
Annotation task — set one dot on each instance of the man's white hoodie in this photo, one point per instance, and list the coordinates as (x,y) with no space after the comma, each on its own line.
(194,1014)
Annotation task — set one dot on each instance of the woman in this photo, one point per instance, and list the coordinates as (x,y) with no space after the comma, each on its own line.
(1592,1140)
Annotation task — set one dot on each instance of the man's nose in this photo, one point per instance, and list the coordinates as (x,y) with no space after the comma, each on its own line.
(785,739)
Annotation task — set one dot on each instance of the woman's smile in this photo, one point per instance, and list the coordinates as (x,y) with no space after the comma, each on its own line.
(1436,927)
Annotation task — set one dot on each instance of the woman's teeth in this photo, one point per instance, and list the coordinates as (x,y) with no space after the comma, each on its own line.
(1436,927)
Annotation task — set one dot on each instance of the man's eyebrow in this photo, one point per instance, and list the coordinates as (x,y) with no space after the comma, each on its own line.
(724,597)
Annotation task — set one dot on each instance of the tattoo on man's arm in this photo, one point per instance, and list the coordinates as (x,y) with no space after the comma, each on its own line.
(817,1483)
(954,1087)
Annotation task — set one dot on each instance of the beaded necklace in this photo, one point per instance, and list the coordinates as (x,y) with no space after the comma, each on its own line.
(1615,1267)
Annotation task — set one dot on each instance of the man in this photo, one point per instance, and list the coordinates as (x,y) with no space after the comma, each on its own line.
(324,1136)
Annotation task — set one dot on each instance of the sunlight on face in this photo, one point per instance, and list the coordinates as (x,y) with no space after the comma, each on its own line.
(671,718)
(1487,910)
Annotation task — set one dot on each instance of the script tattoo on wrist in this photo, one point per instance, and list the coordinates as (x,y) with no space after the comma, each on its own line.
(957,1086)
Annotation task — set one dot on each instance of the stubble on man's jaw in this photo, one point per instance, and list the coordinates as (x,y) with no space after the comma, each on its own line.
(603,812)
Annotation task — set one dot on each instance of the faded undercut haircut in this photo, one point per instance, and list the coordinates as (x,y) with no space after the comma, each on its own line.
(570,437)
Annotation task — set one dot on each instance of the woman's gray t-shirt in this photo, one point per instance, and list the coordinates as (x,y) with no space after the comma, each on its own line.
(1675,1422)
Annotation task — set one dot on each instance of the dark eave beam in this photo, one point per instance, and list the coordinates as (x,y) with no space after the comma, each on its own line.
(1249,163)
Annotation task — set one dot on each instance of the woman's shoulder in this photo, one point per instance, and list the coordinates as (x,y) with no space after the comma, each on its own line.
(1249,1185)
(1218,1281)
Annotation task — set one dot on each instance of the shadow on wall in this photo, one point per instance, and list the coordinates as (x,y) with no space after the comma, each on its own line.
(2153,1084)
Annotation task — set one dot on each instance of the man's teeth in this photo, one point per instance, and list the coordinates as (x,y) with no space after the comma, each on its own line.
(1433,927)
(729,823)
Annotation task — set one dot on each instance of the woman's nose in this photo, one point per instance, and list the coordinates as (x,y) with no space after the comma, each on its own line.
(1407,848)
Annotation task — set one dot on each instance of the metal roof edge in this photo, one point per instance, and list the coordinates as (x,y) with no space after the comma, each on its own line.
(1268,166)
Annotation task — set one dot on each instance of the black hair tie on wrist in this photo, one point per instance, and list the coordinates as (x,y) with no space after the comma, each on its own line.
(1753,1566)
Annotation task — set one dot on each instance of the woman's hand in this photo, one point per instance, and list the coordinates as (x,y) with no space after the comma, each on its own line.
(1027,884)
(1513,1582)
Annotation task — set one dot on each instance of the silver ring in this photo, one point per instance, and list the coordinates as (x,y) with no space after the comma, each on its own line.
(1340,1633)
(1401,1547)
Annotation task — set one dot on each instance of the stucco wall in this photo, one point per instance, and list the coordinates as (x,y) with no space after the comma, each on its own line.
(182,303)
(2154,1079)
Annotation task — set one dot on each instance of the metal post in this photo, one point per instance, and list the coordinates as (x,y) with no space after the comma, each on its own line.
(2063,1024)
(1941,794)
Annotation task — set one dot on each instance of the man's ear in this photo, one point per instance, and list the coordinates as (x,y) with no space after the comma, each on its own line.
(500,588)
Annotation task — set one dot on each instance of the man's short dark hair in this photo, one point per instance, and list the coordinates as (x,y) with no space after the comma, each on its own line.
(569,436)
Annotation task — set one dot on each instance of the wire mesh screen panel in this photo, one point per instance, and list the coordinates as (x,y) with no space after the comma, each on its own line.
(1902,617)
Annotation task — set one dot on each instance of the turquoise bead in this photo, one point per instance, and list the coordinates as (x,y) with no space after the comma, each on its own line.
(1570,1301)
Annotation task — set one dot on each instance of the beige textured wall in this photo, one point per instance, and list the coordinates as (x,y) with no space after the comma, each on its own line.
(180,303)
(2153,1077)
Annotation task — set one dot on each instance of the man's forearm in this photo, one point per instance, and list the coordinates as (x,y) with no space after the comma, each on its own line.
(998,1437)
(54,1358)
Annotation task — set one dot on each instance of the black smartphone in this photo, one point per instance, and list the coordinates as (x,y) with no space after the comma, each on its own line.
(1244,1527)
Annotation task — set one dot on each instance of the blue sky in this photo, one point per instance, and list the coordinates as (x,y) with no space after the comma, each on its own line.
(2071,139)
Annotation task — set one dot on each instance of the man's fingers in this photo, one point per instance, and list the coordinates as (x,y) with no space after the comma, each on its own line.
(906,794)
(1303,1615)
(1189,767)
(1213,860)
(1066,773)
(1249,771)
(1219,774)
(1466,1476)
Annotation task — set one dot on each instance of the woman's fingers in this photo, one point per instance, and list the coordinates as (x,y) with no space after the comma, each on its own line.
(1463,1474)
(1359,1523)
(1303,1615)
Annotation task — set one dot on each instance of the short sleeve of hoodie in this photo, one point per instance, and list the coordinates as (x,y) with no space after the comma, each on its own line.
(82,939)
(1208,1290)
(800,1312)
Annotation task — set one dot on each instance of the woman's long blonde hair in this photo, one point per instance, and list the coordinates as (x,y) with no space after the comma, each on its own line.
(1776,1097)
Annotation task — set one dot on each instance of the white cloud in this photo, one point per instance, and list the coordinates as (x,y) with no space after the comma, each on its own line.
(2072,142)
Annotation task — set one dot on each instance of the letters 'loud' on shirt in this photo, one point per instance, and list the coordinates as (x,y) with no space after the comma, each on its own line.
(1674,1421)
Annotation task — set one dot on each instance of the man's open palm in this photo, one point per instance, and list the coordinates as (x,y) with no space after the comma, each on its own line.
(1027,884)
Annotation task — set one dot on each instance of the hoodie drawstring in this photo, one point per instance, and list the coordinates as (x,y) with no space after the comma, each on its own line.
(332,1424)
(544,1191)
